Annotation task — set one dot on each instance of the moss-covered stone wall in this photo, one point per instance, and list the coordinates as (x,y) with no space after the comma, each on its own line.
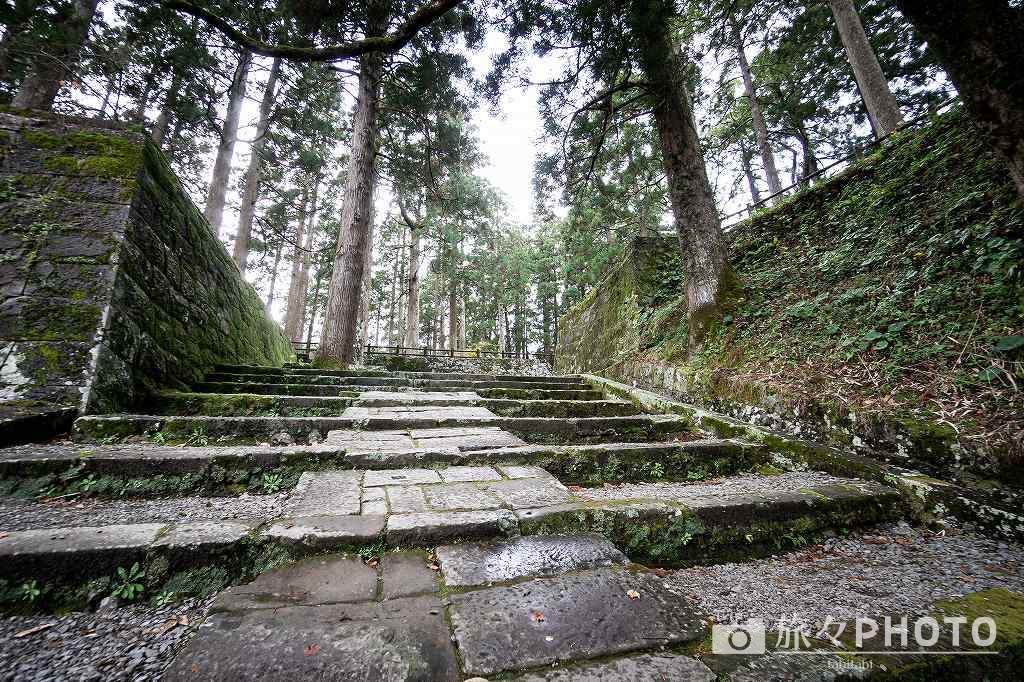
(881,310)
(597,330)
(111,283)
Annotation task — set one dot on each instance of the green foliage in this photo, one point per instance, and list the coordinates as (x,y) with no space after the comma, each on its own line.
(30,591)
(128,585)
(272,483)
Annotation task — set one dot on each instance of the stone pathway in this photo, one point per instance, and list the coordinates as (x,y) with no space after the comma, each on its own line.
(428,527)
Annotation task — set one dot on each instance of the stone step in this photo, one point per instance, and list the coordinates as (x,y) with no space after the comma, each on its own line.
(353,391)
(147,471)
(322,390)
(349,381)
(248,405)
(655,524)
(256,430)
(257,369)
(506,407)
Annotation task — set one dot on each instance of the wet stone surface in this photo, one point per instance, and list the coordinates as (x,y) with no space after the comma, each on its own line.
(311,582)
(398,639)
(469,565)
(571,617)
(664,666)
(326,492)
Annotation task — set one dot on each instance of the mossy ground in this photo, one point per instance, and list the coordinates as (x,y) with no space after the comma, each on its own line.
(891,291)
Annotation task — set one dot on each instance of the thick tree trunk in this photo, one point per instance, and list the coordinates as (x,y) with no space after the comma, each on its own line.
(980,44)
(343,298)
(456,333)
(296,303)
(412,303)
(55,64)
(226,150)
(771,172)
(273,277)
(15,38)
(810,165)
(705,263)
(313,307)
(883,110)
(253,176)
(746,155)
(163,121)
(363,323)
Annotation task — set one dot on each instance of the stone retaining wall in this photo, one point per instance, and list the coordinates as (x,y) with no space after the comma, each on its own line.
(111,283)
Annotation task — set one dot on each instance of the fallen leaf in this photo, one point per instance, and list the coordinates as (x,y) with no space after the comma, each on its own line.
(4,535)
(633,594)
(537,616)
(32,631)
(373,561)
(183,619)
(433,567)
(166,627)
(311,650)
(662,572)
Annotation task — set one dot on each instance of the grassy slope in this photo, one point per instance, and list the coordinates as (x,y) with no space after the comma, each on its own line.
(893,288)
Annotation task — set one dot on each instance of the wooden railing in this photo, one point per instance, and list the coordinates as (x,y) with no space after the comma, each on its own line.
(305,350)
(456,353)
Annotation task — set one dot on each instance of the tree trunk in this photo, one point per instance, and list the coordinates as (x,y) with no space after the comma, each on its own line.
(364,302)
(273,277)
(705,262)
(296,303)
(49,69)
(456,336)
(14,39)
(250,193)
(882,107)
(771,172)
(979,44)
(412,303)
(226,151)
(746,155)
(163,121)
(810,165)
(312,312)
(343,297)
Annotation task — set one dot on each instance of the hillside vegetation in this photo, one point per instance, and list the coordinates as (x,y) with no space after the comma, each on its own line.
(892,289)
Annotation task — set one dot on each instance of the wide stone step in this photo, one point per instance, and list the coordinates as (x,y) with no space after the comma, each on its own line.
(204,430)
(655,524)
(504,408)
(353,391)
(142,470)
(449,384)
(371,372)
(257,369)
(249,405)
(324,390)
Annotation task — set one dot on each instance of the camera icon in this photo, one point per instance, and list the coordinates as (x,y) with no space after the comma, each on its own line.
(747,638)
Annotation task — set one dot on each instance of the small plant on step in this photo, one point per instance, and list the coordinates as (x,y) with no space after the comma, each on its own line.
(272,483)
(198,438)
(158,438)
(128,584)
(165,598)
(30,591)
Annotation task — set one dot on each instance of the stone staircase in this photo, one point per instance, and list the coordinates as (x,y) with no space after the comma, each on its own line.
(367,524)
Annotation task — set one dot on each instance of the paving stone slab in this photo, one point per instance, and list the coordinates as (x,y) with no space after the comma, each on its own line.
(205,535)
(520,471)
(395,398)
(311,582)
(457,474)
(406,574)
(400,477)
(326,492)
(472,443)
(80,541)
(327,532)
(569,618)
(404,499)
(455,496)
(427,528)
(454,432)
(523,493)
(666,667)
(469,565)
(397,640)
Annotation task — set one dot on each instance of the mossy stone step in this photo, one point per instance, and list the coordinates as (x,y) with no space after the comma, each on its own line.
(248,405)
(353,391)
(323,390)
(505,407)
(257,369)
(255,430)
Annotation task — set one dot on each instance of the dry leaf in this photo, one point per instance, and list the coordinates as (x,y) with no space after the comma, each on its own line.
(32,631)
(311,650)
(373,561)
(4,535)
(662,572)
(433,567)
(633,594)
(166,627)
(537,616)
(183,619)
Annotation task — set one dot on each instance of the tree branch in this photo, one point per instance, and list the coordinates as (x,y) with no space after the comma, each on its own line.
(387,44)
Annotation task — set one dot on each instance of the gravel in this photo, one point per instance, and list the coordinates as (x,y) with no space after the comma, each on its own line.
(129,643)
(893,570)
(20,514)
(725,487)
